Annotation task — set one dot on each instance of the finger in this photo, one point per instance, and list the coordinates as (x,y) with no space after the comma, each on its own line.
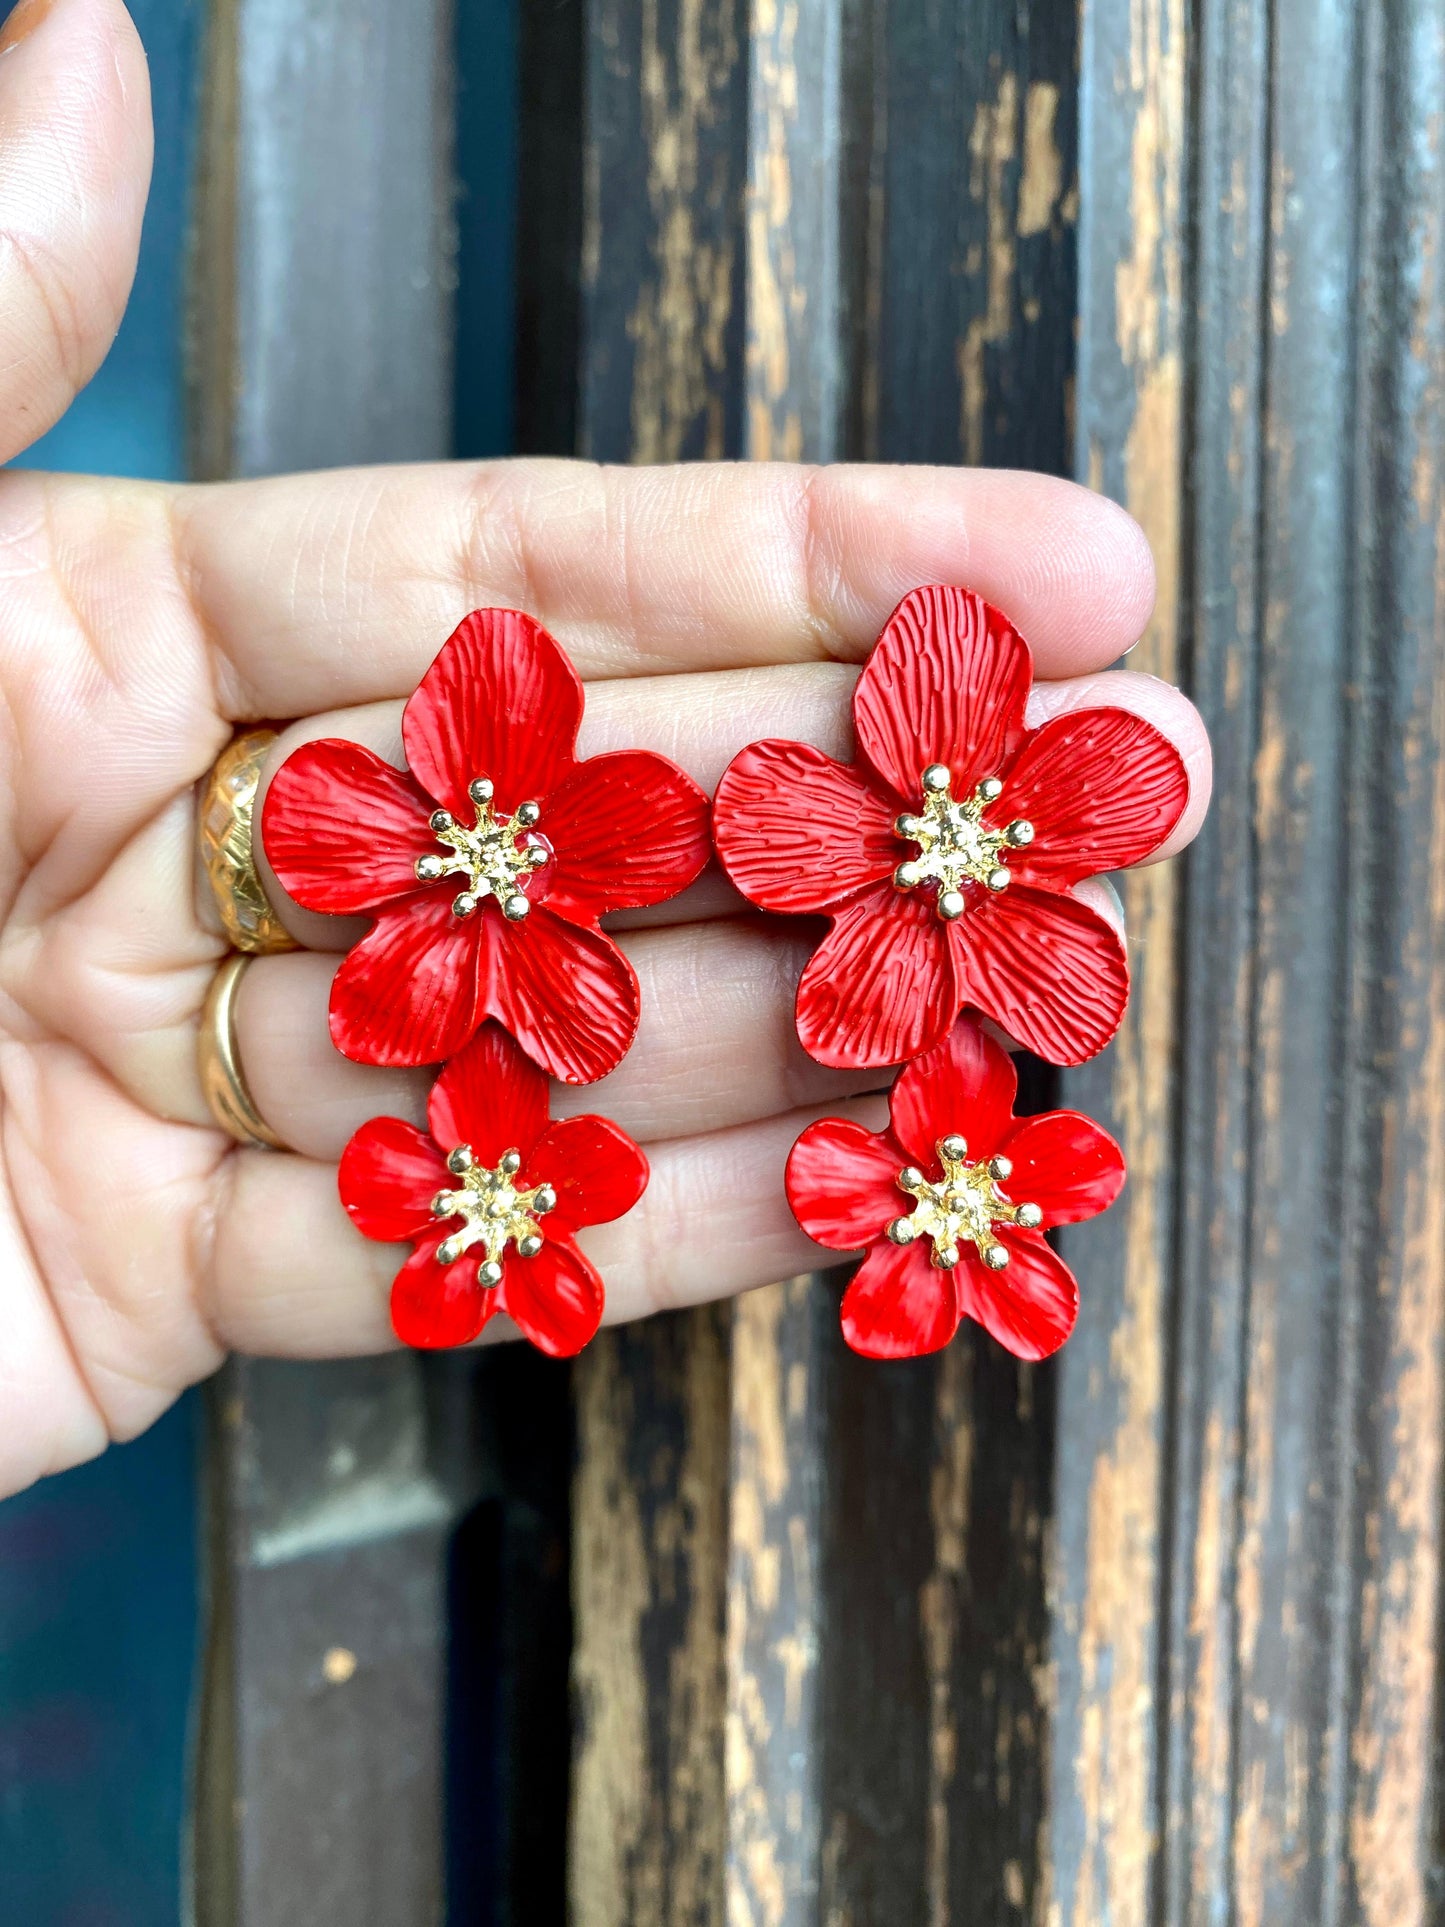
(713,1221)
(323,590)
(75,160)
(716,1046)
(702,721)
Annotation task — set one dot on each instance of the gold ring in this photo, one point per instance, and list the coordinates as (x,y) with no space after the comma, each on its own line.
(222,1079)
(228,850)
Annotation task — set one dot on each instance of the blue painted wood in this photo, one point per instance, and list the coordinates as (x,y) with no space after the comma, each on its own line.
(98,1568)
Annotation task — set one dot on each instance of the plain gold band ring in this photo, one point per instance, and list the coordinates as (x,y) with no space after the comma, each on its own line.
(222,1079)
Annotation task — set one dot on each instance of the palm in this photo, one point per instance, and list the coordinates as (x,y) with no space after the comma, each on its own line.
(141,625)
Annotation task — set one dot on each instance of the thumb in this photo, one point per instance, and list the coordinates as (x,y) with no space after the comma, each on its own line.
(75,162)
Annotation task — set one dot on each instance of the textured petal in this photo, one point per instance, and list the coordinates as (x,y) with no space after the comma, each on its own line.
(946,683)
(899,1305)
(566,993)
(490,1096)
(1031,1306)
(880,987)
(626,830)
(967,1085)
(1046,968)
(407,993)
(555,1299)
(596,1170)
(389,1174)
(435,1305)
(342,829)
(1066,1164)
(798,832)
(1101,787)
(842,1183)
(501,700)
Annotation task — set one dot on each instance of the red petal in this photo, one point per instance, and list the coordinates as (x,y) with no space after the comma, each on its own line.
(1101,787)
(946,683)
(842,1183)
(968,1085)
(1031,1306)
(1047,969)
(566,993)
(596,1170)
(342,829)
(1066,1164)
(899,1305)
(626,830)
(501,700)
(555,1299)
(389,1174)
(407,993)
(798,832)
(434,1305)
(490,1096)
(880,987)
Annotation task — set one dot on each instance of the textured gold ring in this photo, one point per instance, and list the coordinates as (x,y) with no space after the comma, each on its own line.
(228,850)
(222,1079)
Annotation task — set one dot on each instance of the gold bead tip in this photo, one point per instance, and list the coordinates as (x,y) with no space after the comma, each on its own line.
(528,814)
(461,1160)
(906,876)
(428,868)
(902,1231)
(1020,833)
(953,1147)
(907,825)
(910,1177)
(1000,1168)
(991,789)
(442,820)
(448,1251)
(945,1257)
(950,905)
(995,1257)
(515,908)
(489,1273)
(1030,1217)
(998,879)
(439,1207)
(464,905)
(536,856)
(511,1163)
(936,777)
(481,789)
(530,1245)
(545,1201)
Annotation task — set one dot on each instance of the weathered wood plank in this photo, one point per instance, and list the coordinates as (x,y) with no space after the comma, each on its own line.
(1112,1383)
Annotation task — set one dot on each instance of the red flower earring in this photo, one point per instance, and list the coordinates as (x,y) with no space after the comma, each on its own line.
(488,867)
(491,1200)
(952,1202)
(945,856)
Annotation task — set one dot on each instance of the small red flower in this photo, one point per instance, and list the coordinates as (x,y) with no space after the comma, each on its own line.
(945,856)
(953,1201)
(489,866)
(491,1201)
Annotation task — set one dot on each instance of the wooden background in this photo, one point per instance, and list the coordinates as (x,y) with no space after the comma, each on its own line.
(1144,1638)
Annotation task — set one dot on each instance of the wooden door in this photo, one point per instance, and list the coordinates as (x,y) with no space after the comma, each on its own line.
(1146,1637)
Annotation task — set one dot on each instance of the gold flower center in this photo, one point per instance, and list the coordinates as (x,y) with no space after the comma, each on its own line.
(493,1211)
(965,1202)
(955,845)
(491,855)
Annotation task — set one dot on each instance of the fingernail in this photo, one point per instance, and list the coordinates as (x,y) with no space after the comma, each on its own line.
(22,20)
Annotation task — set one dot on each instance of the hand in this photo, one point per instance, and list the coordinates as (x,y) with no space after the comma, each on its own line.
(140,624)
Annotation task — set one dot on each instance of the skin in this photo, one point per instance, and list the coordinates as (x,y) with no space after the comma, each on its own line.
(139,625)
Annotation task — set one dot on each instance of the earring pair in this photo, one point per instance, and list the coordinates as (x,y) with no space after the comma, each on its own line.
(946,860)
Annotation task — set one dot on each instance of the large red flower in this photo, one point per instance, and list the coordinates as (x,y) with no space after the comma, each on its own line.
(488,868)
(491,1201)
(953,1201)
(945,856)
